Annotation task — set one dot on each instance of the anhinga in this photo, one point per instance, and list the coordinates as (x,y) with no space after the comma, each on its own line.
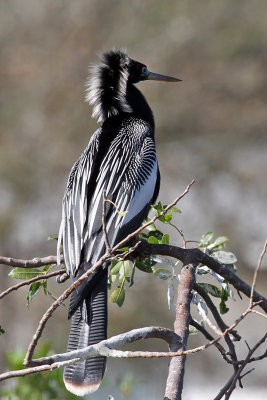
(121,161)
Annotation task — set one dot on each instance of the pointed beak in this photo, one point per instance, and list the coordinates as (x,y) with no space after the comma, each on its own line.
(158,77)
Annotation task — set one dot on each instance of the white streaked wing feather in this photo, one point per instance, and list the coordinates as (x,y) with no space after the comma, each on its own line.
(74,207)
(142,195)
(129,174)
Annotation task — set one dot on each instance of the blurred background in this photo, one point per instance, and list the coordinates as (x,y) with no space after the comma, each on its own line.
(211,127)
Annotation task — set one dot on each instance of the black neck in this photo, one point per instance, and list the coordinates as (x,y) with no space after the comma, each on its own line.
(139,105)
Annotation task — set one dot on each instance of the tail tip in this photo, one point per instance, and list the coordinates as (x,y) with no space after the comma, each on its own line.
(81,388)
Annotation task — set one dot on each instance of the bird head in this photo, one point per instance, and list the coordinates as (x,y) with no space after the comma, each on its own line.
(139,72)
(107,85)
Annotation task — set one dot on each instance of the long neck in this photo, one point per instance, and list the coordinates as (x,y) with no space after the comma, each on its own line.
(139,105)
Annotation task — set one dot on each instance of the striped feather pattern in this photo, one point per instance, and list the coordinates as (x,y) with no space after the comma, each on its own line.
(127,169)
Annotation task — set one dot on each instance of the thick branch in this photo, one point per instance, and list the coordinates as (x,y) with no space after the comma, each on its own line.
(196,256)
(102,349)
(105,347)
(174,384)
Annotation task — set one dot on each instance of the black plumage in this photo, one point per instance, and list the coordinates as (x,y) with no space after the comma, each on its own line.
(121,160)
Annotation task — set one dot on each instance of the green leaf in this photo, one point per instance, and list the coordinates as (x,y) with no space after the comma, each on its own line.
(157,208)
(192,330)
(220,240)
(123,249)
(145,265)
(153,239)
(168,218)
(223,308)
(124,271)
(174,209)
(52,238)
(25,273)
(115,267)
(206,239)
(44,284)
(112,279)
(34,288)
(224,298)
(122,213)
(225,257)
(165,239)
(151,228)
(156,234)
(211,289)
(132,276)
(162,273)
(46,268)
(118,295)
(2,331)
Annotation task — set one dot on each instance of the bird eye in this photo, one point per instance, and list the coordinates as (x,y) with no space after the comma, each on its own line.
(144,70)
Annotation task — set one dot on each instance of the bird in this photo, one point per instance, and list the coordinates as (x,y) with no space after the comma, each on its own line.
(120,161)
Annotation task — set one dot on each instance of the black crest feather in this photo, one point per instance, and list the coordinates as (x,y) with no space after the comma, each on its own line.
(107,85)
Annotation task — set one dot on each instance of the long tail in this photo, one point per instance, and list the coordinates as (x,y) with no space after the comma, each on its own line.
(88,326)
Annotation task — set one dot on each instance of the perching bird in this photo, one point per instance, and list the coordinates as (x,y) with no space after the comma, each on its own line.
(121,160)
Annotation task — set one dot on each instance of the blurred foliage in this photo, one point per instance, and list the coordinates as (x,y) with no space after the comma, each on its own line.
(41,386)
(127,384)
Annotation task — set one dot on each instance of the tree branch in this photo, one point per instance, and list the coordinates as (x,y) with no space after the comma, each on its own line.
(231,383)
(29,281)
(196,256)
(174,385)
(208,336)
(190,258)
(105,347)
(256,273)
(34,263)
(220,323)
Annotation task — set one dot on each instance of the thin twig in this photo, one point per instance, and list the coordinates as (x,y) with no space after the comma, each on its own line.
(259,313)
(135,233)
(29,281)
(220,322)
(208,336)
(34,263)
(238,374)
(258,358)
(256,273)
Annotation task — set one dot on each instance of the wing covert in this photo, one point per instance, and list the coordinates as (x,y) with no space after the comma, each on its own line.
(75,204)
(128,172)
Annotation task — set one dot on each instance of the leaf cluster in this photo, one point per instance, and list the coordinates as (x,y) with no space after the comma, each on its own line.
(215,248)
(29,273)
